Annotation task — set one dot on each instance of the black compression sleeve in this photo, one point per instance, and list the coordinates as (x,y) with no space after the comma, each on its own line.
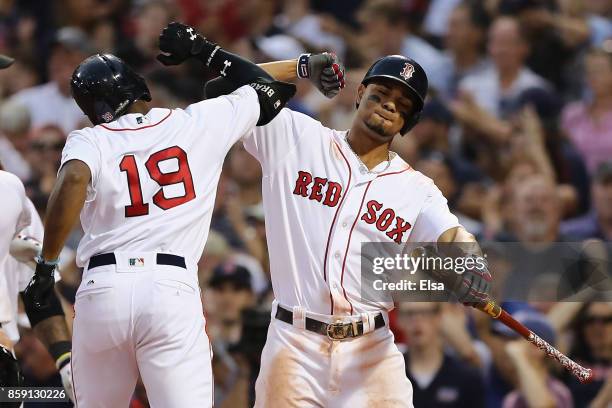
(231,66)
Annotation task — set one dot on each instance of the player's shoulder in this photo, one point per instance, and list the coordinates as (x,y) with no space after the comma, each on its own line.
(88,133)
(302,122)
(12,181)
(405,173)
(213,105)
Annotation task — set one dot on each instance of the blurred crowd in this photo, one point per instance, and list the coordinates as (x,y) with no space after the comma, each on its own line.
(516,132)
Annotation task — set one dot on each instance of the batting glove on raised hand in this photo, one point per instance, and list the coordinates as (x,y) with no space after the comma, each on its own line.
(40,287)
(324,70)
(178,42)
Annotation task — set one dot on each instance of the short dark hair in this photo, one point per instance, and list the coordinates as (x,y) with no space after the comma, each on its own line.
(389,10)
(477,13)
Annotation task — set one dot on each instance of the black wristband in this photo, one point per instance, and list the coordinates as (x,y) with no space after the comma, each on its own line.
(59,349)
(44,267)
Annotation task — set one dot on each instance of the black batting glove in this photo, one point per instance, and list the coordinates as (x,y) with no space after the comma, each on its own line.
(475,286)
(40,287)
(325,71)
(178,42)
(470,287)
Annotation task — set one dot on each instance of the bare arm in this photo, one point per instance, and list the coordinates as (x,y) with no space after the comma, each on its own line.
(281,70)
(52,330)
(65,203)
(531,377)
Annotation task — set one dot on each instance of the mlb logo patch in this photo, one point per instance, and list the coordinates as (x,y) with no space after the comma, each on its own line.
(136,261)
(107,117)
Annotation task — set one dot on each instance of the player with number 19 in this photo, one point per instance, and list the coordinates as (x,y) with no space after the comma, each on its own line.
(144,181)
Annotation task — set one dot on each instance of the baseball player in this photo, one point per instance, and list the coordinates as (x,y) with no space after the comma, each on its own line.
(144,183)
(19,244)
(326,192)
(20,232)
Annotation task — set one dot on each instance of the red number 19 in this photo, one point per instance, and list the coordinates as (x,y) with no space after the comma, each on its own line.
(182,175)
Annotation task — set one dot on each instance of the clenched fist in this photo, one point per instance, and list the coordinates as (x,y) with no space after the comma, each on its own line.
(324,70)
(178,42)
(40,287)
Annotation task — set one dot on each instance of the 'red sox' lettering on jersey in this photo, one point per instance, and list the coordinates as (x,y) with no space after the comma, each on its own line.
(387,220)
(321,204)
(306,186)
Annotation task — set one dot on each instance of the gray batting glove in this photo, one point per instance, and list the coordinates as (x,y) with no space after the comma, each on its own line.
(324,70)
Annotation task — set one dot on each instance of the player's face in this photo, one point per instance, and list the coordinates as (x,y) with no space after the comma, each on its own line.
(384,105)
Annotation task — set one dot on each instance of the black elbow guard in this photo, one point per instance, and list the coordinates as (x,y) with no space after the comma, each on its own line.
(38,314)
(273,96)
(219,86)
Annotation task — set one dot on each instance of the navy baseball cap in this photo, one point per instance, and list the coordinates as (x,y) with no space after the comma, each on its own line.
(436,111)
(229,272)
(5,61)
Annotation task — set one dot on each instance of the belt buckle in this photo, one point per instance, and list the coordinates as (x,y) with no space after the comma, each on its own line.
(338,331)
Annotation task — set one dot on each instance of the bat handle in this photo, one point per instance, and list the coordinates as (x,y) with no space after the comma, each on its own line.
(583,374)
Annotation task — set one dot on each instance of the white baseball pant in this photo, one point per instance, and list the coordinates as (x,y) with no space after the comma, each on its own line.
(300,368)
(147,319)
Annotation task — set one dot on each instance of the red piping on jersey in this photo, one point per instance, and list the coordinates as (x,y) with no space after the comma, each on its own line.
(331,227)
(140,128)
(394,172)
(348,243)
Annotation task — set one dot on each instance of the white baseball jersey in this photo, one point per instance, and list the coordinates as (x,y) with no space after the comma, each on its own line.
(15,217)
(18,274)
(153,186)
(321,203)
(154,176)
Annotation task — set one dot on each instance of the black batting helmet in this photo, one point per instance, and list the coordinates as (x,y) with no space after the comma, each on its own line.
(104,87)
(407,72)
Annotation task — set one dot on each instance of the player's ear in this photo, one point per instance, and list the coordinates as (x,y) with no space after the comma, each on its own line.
(360,92)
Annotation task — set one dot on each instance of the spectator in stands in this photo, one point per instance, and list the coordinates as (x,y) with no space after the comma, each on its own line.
(438,379)
(231,291)
(553,38)
(592,347)
(45,155)
(598,222)
(464,40)
(497,88)
(385,33)
(536,211)
(589,122)
(51,103)
(535,386)
(440,169)
(14,139)
(150,18)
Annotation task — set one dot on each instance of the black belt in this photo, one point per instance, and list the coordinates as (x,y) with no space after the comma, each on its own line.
(109,259)
(335,331)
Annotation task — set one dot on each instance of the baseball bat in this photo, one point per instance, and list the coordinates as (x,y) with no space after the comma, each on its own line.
(491,308)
